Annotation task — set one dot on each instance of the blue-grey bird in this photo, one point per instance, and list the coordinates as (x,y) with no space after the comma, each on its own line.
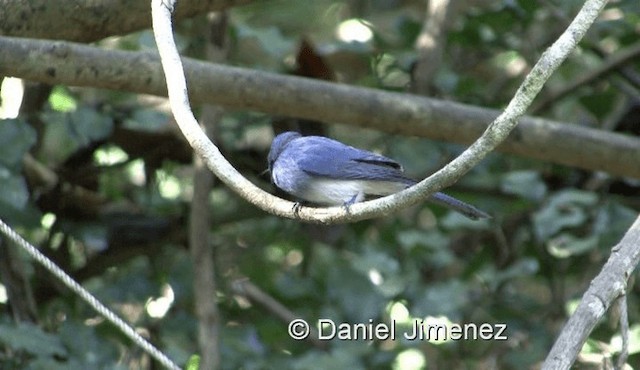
(327,172)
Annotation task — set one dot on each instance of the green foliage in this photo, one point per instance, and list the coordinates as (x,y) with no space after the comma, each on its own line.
(30,338)
(61,100)
(67,132)
(524,184)
(193,363)
(118,217)
(16,138)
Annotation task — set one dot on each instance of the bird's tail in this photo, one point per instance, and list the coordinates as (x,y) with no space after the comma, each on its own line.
(450,202)
(459,206)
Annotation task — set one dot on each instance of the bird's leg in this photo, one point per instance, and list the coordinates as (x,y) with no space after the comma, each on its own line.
(354,199)
(296,209)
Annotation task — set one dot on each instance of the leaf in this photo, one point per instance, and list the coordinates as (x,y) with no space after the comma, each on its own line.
(526,184)
(61,100)
(611,221)
(13,190)
(432,246)
(566,245)
(268,41)
(521,268)
(442,299)
(568,208)
(92,235)
(193,363)
(338,358)
(87,125)
(30,338)
(150,120)
(45,363)
(407,29)
(354,294)
(382,270)
(66,132)
(599,103)
(16,137)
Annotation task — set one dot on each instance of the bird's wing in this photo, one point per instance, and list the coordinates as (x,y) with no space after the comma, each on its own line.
(320,156)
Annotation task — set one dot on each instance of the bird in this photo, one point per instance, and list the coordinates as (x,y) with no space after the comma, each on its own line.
(326,172)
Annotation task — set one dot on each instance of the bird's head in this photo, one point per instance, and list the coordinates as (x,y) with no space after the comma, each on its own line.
(279,144)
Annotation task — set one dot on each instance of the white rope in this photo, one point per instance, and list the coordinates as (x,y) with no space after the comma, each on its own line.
(88,297)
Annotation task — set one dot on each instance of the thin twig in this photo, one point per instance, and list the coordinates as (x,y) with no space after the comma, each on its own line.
(621,307)
(249,290)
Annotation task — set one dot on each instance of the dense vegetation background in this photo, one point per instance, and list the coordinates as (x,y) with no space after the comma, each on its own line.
(102,182)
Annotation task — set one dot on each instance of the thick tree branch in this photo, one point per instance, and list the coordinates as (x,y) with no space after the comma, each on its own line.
(202,257)
(202,249)
(497,131)
(610,284)
(556,142)
(87,21)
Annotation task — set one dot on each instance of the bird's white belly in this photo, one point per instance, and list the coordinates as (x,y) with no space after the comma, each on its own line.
(339,192)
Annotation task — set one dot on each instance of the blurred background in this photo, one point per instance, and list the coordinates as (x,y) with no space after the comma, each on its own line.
(102,182)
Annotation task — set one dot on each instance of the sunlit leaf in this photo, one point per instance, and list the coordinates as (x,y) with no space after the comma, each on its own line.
(61,100)
(193,363)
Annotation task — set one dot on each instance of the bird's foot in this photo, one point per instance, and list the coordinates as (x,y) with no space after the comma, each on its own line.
(350,202)
(296,209)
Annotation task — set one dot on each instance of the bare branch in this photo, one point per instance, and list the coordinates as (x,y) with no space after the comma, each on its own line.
(87,21)
(556,142)
(204,283)
(621,306)
(202,250)
(609,285)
